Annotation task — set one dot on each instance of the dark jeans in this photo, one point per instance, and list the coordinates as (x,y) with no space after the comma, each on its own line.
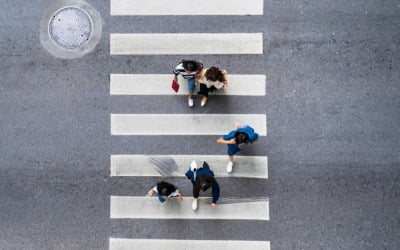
(196,191)
(204,90)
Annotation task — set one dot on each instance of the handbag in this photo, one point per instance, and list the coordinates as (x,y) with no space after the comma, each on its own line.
(175,86)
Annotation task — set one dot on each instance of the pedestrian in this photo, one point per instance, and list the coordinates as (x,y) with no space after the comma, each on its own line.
(165,190)
(202,179)
(235,139)
(210,80)
(188,69)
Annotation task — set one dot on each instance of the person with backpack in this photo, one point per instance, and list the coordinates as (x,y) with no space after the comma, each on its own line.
(235,139)
(202,179)
(188,69)
(165,190)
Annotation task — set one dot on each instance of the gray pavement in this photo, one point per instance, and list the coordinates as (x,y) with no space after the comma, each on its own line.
(333,101)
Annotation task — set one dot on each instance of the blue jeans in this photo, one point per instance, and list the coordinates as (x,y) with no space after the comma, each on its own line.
(191,85)
(233,149)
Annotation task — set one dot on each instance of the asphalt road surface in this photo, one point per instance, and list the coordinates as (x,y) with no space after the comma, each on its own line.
(332,104)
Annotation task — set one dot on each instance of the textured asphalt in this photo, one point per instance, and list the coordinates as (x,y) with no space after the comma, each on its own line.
(333,108)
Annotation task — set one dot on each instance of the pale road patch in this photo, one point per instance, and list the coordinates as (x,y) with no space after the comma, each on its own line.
(70,29)
(184,124)
(182,43)
(155,244)
(186,7)
(177,165)
(160,84)
(136,207)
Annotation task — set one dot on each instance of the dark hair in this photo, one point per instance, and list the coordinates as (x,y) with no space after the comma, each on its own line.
(215,74)
(165,188)
(241,137)
(204,182)
(192,65)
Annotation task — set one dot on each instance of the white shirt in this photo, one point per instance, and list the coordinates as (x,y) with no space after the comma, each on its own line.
(209,84)
(179,70)
(173,194)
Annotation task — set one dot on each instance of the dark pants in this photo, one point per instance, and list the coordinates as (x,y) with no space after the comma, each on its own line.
(204,90)
(196,191)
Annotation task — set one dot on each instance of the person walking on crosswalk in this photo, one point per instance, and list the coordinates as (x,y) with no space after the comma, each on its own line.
(236,138)
(202,179)
(165,190)
(188,69)
(210,80)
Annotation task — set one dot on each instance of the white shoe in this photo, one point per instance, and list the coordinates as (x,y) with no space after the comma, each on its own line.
(194,204)
(193,166)
(237,125)
(229,167)
(190,102)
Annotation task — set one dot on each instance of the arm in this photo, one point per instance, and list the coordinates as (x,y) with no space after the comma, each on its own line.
(225,80)
(215,193)
(151,191)
(222,141)
(180,197)
(189,174)
(176,71)
(198,75)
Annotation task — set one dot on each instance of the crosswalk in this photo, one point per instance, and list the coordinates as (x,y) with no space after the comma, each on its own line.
(182,44)
(148,244)
(132,165)
(186,7)
(134,207)
(177,165)
(154,84)
(183,124)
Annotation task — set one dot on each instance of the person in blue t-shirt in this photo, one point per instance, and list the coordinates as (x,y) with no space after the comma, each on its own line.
(236,138)
(165,190)
(202,179)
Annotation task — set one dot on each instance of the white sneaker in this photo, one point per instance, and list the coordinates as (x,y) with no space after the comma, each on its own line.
(193,166)
(229,167)
(194,204)
(237,125)
(190,102)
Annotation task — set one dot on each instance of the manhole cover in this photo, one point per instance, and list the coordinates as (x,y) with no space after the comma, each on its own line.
(70,27)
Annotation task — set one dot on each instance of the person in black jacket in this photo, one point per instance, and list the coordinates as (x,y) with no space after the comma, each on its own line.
(202,179)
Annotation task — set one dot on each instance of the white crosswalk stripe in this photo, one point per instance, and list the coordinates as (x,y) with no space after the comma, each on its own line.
(177,165)
(133,165)
(184,124)
(139,207)
(182,44)
(149,244)
(160,84)
(186,7)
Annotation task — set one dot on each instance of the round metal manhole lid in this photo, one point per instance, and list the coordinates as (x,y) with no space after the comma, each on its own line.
(70,27)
